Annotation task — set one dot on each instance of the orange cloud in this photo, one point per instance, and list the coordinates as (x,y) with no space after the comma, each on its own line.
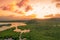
(23,9)
(58,5)
(7,15)
(49,16)
(28,8)
(23,3)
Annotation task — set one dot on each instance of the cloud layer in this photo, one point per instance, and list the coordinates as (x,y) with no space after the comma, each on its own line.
(16,9)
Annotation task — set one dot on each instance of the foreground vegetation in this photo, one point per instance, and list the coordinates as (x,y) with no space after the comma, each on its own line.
(40,30)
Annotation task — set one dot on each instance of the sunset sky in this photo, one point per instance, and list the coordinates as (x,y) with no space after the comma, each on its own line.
(28,9)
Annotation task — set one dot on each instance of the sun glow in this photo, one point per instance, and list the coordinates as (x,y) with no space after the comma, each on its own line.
(42,10)
(39,9)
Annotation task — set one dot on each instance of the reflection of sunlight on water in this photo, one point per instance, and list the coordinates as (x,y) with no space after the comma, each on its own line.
(17,24)
(22,31)
(13,24)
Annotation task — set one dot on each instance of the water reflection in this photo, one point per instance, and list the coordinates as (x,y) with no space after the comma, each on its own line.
(18,24)
(13,24)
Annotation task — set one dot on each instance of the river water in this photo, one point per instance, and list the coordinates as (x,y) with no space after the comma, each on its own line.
(13,23)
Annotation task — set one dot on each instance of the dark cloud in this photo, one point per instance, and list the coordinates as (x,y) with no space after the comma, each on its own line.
(28,8)
(23,3)
(58,5)
(57,0)
(6,18)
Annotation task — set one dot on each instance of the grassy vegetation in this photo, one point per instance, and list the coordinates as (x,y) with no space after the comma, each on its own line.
(40,30)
